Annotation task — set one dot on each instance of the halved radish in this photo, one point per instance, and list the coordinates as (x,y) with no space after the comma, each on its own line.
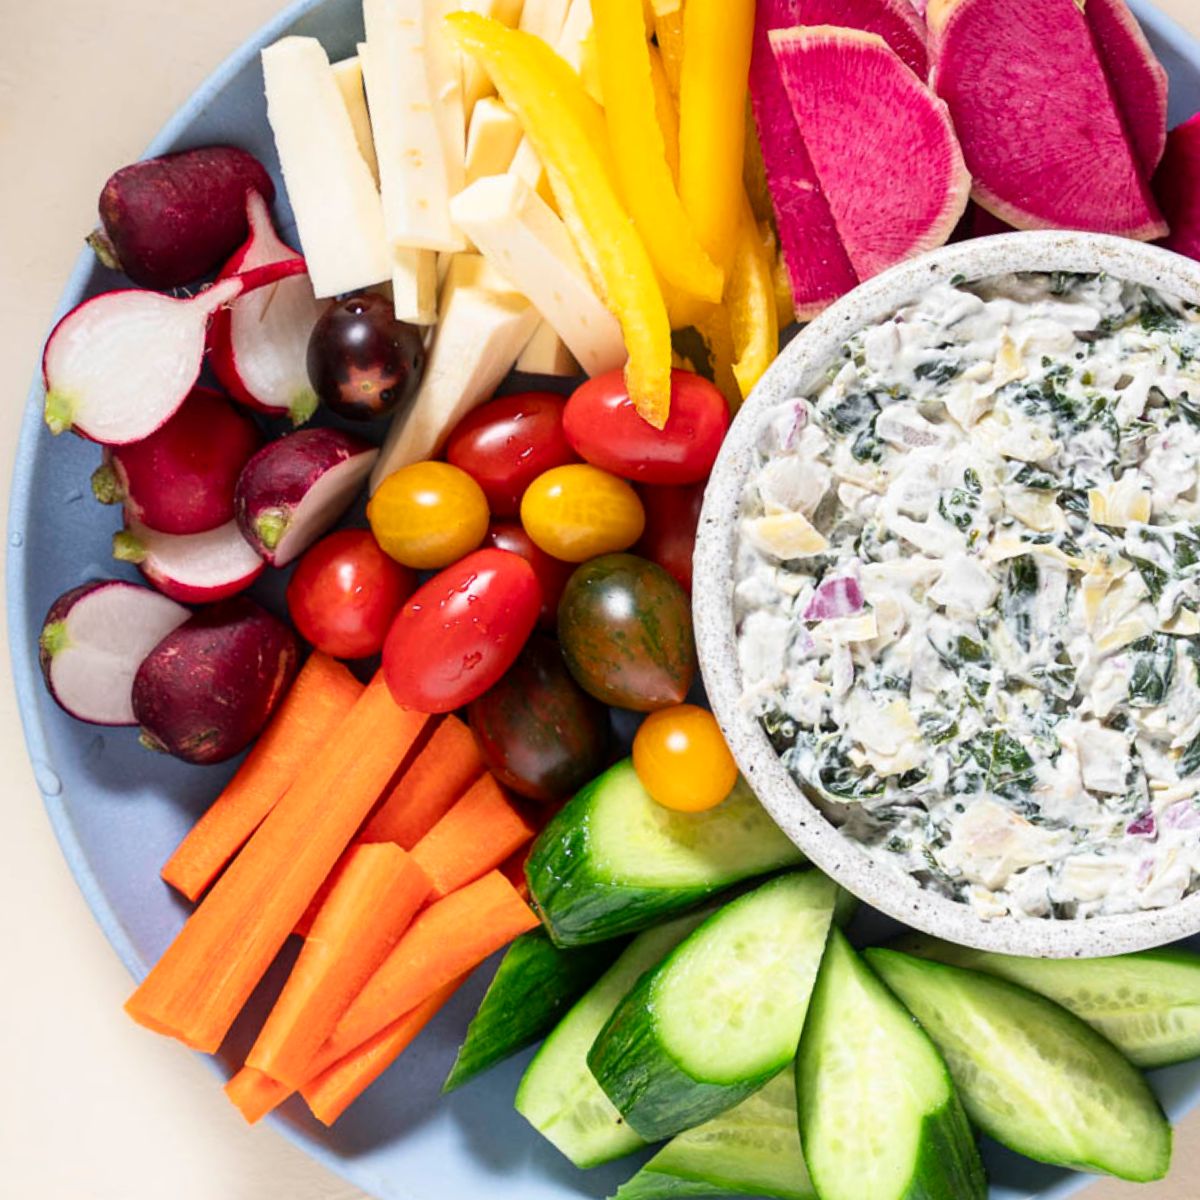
(896,21)
(94,639)
(258,345)
(194,568)
(881,143)
(1177,186)
(119,365)
(294,489)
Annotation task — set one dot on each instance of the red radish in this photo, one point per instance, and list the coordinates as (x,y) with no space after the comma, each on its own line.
(896,21)
(206,691)
(258,346)
(94,639)
(295,489)
(118,366)
(182,477)
(172,220)
(194,568)
(1177,185)
(880,141)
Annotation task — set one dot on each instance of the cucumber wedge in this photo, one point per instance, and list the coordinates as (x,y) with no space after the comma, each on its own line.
(1032,1075)
(879,1116)
(534,986)
(753,1149)
(1146,1004)
(613,861)
(722,1014)
(558,1095)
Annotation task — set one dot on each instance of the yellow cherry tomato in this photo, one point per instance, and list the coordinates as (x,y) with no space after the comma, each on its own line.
(428,515)
(681,758)
(579,512)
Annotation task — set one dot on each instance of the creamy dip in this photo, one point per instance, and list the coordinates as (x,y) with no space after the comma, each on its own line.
(968,585)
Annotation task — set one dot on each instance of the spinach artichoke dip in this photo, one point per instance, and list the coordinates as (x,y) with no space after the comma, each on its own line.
(968,586)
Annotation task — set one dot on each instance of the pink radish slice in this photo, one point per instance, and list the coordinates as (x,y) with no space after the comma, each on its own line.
(94,639)
(119,365)
(296,488)
(258,346)
(1035,114)
(881,143)
(194,568)
(896,21)
(1177,185)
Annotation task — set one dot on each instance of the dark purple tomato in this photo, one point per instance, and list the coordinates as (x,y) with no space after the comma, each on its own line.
(552,573)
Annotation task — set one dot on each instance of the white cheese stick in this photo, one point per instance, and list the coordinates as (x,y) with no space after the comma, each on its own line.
(544,18)
(348,74)
(333,196)
(445,63)
(547,354)
(492,139)
(477,83)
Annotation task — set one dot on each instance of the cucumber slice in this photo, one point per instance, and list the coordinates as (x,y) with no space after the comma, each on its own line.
(1146,1004)
(879,1116)
(753,1149)
(534,986)
(1031,1074)
(722,1014)
(613,861)
(557,1094)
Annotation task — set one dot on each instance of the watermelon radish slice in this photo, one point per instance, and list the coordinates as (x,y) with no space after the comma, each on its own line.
(881,143)
(1036,116)
(193,568)
(896,21)
(1177,186)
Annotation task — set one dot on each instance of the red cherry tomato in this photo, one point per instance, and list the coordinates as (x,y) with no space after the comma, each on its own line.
(461,631)
(552,573)
(672,517)
(604,428)
(345,593)
(505,445)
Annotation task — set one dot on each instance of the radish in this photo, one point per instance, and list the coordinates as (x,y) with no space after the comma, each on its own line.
(896,21)
(258,346)
(207,690)
(194,568)
(182,477)
(94,639)
(1177,185)
(294,489)
(118,366)
(172,220)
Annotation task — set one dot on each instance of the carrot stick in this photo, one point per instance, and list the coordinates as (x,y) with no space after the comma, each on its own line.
(256,1094)
(473,838)
(324,692)
(513,869)
(200,984)
(378,894)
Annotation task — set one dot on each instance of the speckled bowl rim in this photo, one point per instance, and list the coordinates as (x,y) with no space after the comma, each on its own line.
(794,373)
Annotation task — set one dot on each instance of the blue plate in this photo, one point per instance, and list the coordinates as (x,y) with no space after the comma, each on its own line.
(119,811)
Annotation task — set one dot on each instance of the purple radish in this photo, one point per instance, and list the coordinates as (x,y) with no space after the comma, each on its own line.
(1177,185)
(182,477)
(193,568)
(258,346)
(294,489)
(207,690)
(172,220)
(896,21)
(94,639)
(118,366)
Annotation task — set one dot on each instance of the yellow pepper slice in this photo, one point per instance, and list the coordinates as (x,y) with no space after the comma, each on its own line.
(666,111)
(557,115)
(668,32)
(639,151)
(716,330)
(750,300)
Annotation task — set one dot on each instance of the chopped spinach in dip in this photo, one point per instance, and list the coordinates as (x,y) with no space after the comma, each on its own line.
(968,594)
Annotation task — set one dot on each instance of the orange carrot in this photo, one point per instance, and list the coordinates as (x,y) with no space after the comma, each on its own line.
(377,895)
(198,987)
(324,692)
(473,838)
(513,869)
(256,1094)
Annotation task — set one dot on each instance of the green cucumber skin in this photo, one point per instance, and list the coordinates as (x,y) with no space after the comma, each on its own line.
(534,986)
(900,971)
(648,1184)
(1174,973)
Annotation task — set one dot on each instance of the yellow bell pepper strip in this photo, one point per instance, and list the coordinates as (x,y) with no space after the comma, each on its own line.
(666,110)
(668,33)
(750,301)
(712,118)
(754,173)
(639,151)
(717,334)
(589,68)
(549,100)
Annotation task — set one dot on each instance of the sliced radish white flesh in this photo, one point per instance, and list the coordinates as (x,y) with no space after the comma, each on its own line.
(95,638)
(195,568)
(322,507)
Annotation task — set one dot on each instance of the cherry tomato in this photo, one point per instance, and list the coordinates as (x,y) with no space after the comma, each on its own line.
(461,631)
(604,428)
(428,515)
(681,758)
(552,575)
(672,517)
(345,592)
(505,445)
(578,512)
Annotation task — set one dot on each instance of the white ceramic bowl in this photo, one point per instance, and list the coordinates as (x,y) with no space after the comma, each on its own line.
(796,373)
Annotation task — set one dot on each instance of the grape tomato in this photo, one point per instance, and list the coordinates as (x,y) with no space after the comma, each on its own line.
(672,518)
(579,512)
(681,758)
(552,574)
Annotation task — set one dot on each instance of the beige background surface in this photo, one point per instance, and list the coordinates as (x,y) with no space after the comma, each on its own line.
(90,1107)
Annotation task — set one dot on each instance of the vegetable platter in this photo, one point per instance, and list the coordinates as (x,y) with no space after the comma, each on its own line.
(646,968)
